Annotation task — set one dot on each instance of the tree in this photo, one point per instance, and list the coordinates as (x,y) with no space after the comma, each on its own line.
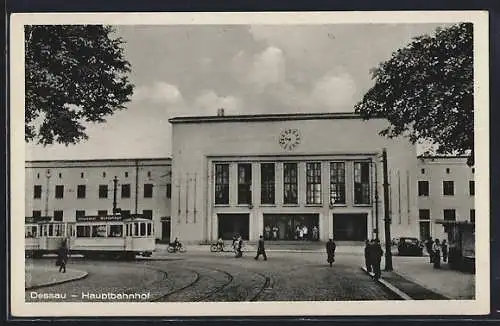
(73,74)
(426,91)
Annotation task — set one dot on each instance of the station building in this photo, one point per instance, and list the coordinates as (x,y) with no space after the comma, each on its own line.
(446,191)
(66,190)
(251,174)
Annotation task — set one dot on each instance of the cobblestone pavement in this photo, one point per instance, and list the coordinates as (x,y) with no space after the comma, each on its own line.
(197,276)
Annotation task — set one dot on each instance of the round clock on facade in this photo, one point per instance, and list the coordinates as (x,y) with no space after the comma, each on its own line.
(289,139)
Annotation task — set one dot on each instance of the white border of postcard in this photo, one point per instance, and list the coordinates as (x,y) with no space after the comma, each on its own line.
(481,304)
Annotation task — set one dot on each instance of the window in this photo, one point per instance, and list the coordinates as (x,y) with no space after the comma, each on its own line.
(99,231)
(125,213)
(136,229)
(472,215)
(423,188)
(58,216)
(83,231)
(103,191)
(150,229)
(80,214)
(472,188)
(37,214)
(290,183)
(424,214)
(221,184)
(244,183)
(80,191)
(267,177)
(126,174)
(37,191)
(447,170)
(82,175)
(60,175)
(104,174)
(59,191)
(126,191)
(337,183)
(449,215)
(148,213)
(149,174)
(313,183)
(473,170)
(102,213)
(169,190)
(143,229)
(448,188)
(148,190)
(362,183)
(422,171)
(38,175)
(115,231)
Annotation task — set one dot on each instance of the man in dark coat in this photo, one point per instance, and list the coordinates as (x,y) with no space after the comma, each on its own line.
(377,254)
(428,246)
(368,260)
(62,257)
(239,246)
(261,250)
(330,251)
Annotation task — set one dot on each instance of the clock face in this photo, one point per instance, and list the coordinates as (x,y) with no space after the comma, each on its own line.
(289,139)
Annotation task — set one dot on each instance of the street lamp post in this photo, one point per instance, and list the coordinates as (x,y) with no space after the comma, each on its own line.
(387,219)
(115,184)
(47,175)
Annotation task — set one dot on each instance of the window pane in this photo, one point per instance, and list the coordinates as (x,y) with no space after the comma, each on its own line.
(362,183)
(222,184)
(337,183)
(290,183)
(244,183)
(115,231)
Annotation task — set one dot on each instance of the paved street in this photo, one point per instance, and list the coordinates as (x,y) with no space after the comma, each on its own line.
(204,276)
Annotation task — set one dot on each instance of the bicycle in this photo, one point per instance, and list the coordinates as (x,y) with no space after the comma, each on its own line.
(172,249)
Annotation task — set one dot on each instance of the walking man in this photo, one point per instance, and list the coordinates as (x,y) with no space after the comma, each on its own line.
(261,250)
(239,245)
(444,247)
(330,251)
(62,257)
(428,246)
(377,254)
(436,248)
(368,260)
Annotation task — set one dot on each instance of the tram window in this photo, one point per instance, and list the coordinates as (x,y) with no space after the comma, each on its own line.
(30,232)
(115,231)
(51,230)
(136,229)
(44,230)
(83,231)
(99,231)
(149,229)
(143,229)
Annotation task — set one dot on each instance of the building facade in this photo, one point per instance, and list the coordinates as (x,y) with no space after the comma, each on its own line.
(275,175)
(446,191)
(65,190)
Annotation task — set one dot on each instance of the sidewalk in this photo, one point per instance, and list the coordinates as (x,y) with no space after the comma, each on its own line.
(37,277)
(414,278)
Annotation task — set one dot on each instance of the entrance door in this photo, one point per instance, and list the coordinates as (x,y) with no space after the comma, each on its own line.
(350,227)
(165,230)
(288,226)
(231,224)
(425,230)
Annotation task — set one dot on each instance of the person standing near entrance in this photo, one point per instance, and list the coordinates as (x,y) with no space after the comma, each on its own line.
(444,248)
(436,248)
(428,246)
(368,260)
(330,251)
(305,231)
(261,250)
(376,257)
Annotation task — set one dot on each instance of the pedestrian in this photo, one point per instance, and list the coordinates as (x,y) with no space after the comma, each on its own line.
(261,250)
(275,232)
(62,257)
(330,251)
(305,231)
(268,232)
(301,233)
(376,257)
(428,246)
(444,248)
(297,232)
(368,261)
(315,233)
(239,245)
(436,248)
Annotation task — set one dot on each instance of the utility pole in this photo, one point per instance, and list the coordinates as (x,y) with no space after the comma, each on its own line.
(115,183)
(387,218)
(376,202)
(47,194)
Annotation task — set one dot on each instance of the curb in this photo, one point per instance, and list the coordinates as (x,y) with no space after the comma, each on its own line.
(38,286)
(390,287)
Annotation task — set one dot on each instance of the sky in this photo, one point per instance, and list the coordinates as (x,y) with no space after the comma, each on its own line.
(181,70)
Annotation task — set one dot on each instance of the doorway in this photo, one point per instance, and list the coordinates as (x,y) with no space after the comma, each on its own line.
(165,230)
(290,227)
(350,227)
(231,224)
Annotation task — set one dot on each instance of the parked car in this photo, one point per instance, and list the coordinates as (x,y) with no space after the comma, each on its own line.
(410,247)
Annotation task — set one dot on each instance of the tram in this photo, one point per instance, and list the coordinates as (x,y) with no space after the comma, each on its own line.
(110,236)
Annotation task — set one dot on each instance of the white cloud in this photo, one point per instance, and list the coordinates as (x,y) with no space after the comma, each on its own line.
(208,102)
(335,92)
(268,68)
(158,92)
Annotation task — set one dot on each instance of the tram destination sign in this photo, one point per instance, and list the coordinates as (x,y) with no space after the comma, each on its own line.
(99,218)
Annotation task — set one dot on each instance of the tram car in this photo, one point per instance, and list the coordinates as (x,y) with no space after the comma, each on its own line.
(93,236)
